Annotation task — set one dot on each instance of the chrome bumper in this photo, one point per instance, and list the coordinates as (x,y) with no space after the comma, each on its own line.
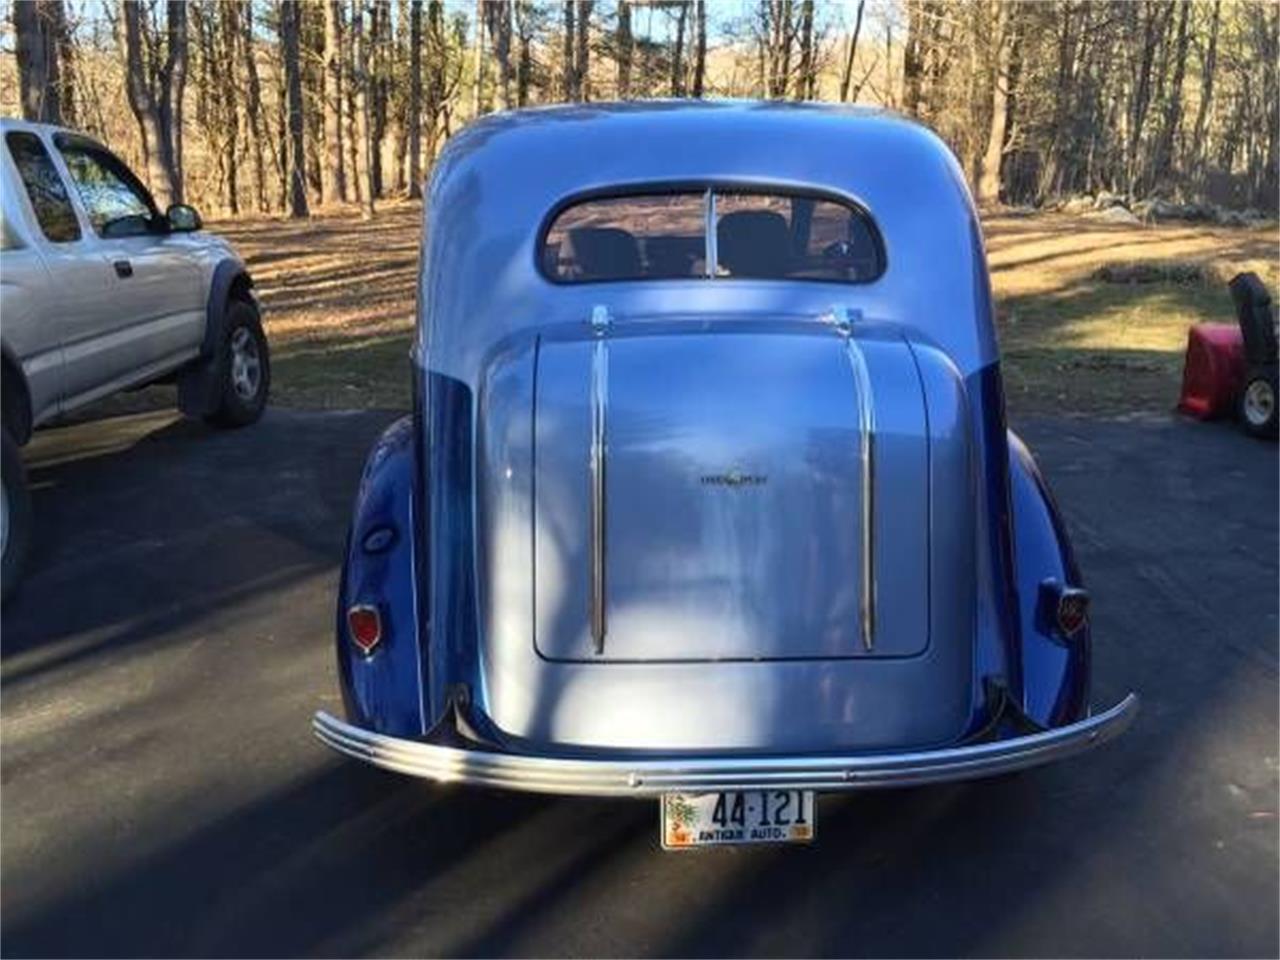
(644,777)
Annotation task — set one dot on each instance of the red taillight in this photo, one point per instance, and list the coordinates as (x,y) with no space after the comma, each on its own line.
(364,623)
(1073,610)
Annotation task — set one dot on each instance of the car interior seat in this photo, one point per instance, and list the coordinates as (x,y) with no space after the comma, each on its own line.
(602,253)
(754,243)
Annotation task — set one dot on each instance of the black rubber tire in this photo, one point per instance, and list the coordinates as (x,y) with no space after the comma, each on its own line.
(1264,383)
(18,499)
(234,410)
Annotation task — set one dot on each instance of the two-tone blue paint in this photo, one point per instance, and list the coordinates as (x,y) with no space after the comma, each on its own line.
(384,689)
(483,549)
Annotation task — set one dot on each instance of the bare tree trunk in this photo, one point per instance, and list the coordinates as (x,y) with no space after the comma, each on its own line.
(913,59)
(64,59)
(1266,28)
(157,145)
(414,119)
(477,93)
(37,54)
(1141,97)
(780,37)
(290,25)
(582,67)
(625,44)
(311,37)
(568,89)
(498,15)
(677,53)
(360,78)
(806,87)
(700,46)
(334,179)
(377,37)
(847,75)
(229,42)
(524,67)
(1162,160)
(436,81)
(351,134)
(986,180)
(257,133)
(1207,74)
(171,94)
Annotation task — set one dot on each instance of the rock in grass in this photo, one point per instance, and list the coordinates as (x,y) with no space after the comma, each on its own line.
(1078,205)
(1182,272)
(1116,215)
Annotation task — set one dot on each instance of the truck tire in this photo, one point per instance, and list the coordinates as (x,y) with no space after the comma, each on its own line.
(15,516)
(1258,406)
(242,368)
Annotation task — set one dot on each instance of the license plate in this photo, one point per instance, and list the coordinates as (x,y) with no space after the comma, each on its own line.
(738,816)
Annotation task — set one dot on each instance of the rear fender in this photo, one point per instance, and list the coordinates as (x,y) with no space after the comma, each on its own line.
(383,690)
(1055,669)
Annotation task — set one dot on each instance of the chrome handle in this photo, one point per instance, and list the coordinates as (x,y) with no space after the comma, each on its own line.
(843,322)
(599,409)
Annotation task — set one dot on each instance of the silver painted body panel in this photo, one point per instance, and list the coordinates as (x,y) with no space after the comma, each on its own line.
(79,331)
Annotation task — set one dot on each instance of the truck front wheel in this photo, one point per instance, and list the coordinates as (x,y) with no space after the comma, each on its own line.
(243,368)
(15,516)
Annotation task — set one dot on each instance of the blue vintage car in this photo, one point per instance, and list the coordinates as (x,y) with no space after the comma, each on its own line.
(707,494)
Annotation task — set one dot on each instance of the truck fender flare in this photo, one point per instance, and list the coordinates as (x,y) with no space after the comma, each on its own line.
(230,279)
(198,382)
(17,397)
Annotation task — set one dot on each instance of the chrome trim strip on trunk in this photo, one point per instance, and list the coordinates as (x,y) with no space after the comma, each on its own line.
(712,245)
(866,455)
(599,411)
(646,777)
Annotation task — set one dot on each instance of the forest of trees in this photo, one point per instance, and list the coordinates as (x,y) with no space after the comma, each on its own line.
(260,106)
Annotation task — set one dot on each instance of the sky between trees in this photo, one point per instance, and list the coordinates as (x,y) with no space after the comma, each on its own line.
(257,106)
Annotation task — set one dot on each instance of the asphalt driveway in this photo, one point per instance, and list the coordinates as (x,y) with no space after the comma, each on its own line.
(162,794)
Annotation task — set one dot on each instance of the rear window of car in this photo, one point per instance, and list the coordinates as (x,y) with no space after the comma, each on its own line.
(628,238)
(45,189)
(758,235)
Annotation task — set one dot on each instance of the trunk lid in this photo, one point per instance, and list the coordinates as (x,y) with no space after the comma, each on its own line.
(703,496)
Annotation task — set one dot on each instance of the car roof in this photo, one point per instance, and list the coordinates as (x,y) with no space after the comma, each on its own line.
(498,182)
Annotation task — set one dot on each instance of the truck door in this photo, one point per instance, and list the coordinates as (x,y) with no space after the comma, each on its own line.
(153,315)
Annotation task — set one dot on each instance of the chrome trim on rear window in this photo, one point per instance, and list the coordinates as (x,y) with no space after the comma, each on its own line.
(710,190)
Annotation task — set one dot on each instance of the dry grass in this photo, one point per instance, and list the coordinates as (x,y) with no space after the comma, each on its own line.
(339,297)
(1075,342)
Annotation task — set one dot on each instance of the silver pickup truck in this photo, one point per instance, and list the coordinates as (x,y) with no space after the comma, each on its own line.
(100,292)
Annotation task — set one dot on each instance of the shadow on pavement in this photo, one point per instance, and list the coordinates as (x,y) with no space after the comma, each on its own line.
(163,795)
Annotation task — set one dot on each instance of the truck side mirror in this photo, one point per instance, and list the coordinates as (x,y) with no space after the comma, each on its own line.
(183,218)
